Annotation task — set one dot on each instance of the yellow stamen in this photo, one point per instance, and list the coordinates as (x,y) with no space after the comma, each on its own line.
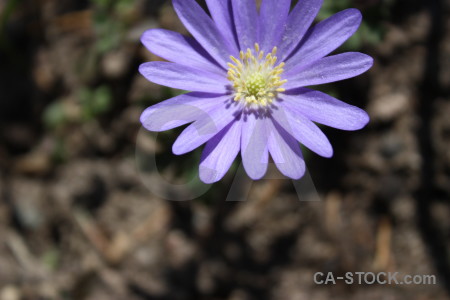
(255,77)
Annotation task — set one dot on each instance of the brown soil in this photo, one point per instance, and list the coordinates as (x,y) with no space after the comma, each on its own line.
(76,221)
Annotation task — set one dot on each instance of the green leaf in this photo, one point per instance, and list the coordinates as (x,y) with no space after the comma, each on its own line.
(54,115)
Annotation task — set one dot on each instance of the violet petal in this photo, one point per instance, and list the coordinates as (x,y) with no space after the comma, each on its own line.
(220,152)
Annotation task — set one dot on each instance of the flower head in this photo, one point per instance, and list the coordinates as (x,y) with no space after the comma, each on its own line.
(248,72)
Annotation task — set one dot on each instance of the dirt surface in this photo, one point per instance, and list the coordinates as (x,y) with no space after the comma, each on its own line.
(78,222)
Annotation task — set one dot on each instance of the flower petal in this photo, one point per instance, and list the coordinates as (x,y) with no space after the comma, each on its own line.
(204,30)
(297,24)
(183,77)
(254,150)
(246,21)
(204,129)
(180,110)
(285,151)
(273,16)
(324,109)
(325,37)
(168,45)
(222,14)
(329,69)
(303,130)
(220,152)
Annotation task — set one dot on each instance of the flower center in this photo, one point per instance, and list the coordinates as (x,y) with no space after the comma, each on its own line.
(255,78)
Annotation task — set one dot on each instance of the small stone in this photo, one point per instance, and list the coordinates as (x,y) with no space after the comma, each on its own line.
(388,107)
(35,163)
(115,64)
(9,292)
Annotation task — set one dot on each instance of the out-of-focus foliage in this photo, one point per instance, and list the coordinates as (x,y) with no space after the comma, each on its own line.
(94,102)
(110,21)
(91,104)
(374,13)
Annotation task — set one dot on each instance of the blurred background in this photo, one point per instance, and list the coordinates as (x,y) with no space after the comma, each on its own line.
(77,222)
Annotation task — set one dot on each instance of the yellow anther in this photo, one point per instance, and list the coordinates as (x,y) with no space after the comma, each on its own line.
(261,55)
(230,65)
(274,51)
(257,47)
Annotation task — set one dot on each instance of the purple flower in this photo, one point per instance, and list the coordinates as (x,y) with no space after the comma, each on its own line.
(248,72)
